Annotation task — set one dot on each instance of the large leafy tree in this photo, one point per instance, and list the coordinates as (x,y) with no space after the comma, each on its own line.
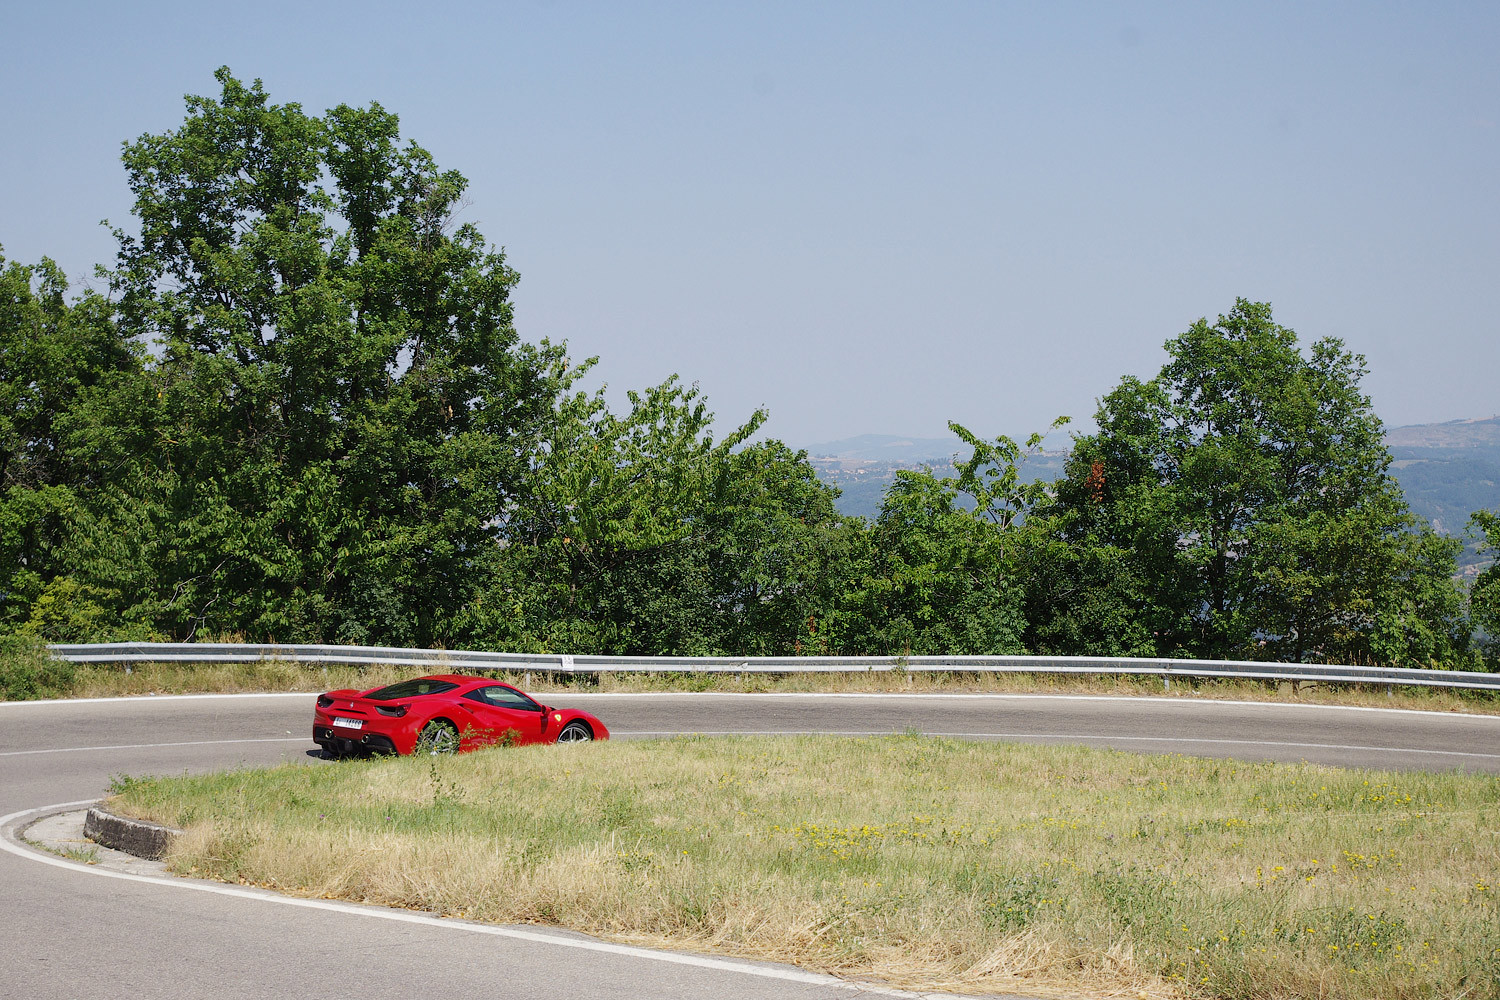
(1249,484)
(340,409)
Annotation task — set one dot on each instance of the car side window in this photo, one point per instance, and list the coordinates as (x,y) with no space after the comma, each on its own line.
(504,697)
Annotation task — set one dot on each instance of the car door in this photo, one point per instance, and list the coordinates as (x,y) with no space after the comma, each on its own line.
(498,710)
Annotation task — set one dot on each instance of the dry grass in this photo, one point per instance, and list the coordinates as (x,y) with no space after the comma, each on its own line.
(111,681)
(195,678)
(924,862)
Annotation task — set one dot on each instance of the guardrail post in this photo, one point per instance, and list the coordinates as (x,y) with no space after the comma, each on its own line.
(1166,682)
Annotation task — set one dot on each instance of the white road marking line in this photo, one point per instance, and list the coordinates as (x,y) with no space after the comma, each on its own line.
(153,746)
(158,697)
(1074,737)
(1183,702)
(493,930)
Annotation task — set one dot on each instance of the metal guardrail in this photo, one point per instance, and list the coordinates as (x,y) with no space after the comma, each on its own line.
(562,663)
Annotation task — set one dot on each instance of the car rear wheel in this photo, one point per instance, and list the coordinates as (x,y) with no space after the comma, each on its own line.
(438,736)
(575,732)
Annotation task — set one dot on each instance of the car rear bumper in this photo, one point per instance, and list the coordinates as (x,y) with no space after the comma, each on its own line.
(336,743)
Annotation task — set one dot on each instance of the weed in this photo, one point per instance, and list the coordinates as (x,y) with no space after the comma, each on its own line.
(120,784)
(1018,901)
(444,793)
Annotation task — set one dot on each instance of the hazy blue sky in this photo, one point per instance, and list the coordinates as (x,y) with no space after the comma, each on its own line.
(870,217)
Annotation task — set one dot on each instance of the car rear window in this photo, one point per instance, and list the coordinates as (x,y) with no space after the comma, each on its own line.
(411,689)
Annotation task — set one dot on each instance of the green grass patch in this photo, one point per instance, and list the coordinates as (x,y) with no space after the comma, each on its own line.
(926,862)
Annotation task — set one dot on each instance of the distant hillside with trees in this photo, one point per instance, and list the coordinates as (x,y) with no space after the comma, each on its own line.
(302,412)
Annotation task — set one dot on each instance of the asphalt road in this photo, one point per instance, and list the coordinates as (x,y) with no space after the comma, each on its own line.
(69,933)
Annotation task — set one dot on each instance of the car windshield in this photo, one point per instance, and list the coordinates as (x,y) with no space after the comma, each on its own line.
(411,689)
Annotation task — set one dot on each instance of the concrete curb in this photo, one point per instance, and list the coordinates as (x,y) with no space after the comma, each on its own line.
(133,836)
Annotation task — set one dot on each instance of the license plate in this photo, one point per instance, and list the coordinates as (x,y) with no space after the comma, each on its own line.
(348,723)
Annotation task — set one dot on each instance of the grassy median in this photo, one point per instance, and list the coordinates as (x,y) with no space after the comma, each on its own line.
(924,862)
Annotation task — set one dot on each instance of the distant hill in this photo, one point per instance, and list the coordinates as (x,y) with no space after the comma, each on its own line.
(1454,435)
(889,448)
(1447,470)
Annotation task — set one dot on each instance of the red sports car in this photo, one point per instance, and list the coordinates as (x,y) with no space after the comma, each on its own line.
(443,714)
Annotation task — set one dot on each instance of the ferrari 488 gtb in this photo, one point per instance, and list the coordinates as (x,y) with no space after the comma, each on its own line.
(443,715)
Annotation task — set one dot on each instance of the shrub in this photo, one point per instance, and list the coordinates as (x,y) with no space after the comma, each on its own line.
(28,672)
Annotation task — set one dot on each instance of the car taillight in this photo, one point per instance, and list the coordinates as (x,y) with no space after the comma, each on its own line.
(394,711)
(324,701)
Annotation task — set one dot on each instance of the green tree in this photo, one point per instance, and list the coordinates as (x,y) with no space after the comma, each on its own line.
(340,409)
(643,535)
(1422,620)
(51,352)
(937,580)
(1484,596)
(607,552)
(991,476)
(779,554)
(1249,484)
(54,353)
(945,564)
(1084,595)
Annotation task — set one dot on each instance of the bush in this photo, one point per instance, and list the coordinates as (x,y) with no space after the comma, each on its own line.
(28,672)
